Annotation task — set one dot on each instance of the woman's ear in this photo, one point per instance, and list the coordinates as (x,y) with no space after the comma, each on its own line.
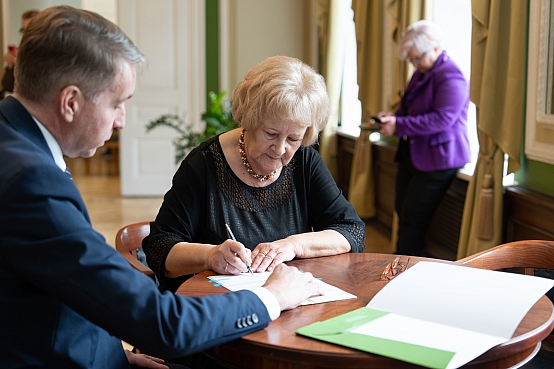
(70,102)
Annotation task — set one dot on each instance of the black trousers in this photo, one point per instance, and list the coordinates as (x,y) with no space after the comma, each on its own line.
(418,194)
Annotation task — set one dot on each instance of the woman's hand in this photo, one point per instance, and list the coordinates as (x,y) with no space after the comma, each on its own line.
(231,257)
(266,256)
(388,124)
(145,361)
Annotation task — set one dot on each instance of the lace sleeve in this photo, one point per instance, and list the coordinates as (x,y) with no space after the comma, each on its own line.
(157,247)
(354,232)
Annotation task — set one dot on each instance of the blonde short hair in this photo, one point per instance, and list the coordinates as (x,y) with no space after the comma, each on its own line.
(282,88)
(424,35)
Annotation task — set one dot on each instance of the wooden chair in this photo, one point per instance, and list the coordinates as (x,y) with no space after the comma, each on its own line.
(128,240)
(528,254)
(521,257)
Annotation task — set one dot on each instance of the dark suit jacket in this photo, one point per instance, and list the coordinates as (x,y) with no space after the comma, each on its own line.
(67,297)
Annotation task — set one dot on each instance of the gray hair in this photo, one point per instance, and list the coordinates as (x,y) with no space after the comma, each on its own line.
(282,88)
(424,35)
(65,46)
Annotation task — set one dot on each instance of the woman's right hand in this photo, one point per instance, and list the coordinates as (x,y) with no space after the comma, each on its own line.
(231,257)
(388,124)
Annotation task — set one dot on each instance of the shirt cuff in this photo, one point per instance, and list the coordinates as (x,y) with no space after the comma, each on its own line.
(270,302)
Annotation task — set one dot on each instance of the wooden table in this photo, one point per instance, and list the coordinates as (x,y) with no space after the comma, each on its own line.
(278,346)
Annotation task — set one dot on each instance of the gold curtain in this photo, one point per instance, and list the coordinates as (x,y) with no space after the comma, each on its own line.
(334,61)
(370,26)
(361,189)
(368,18)
(499,37)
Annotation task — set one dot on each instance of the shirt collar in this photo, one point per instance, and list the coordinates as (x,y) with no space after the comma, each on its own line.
(55,148)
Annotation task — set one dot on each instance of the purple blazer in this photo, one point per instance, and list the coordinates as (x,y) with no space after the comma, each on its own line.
(433,116)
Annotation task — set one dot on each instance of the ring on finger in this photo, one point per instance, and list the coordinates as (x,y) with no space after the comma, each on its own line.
(268,257)
(262,254)
(226,266)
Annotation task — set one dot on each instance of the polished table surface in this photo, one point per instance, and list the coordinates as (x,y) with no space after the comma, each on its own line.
(278,346)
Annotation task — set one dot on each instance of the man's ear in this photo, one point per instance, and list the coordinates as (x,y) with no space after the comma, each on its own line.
(71,100)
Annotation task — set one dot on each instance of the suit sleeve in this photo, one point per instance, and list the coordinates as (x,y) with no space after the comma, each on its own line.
(48,243)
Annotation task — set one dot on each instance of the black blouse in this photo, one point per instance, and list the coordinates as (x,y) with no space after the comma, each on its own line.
(206,194)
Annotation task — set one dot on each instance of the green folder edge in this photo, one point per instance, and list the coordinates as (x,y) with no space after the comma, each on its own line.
(335,330)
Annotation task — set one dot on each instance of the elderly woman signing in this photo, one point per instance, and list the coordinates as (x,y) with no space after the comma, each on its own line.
(264,180)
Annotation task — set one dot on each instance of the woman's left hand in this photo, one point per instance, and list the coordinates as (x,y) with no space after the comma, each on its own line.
(145,361)
(266,256)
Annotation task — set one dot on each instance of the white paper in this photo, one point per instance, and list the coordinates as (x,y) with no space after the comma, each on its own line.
(247,281)
(454,308)
(466,344)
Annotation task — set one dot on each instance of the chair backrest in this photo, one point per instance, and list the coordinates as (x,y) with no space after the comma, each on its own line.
(528,254)
(128,240)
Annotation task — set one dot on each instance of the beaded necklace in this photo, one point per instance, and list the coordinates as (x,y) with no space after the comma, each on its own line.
(249,169)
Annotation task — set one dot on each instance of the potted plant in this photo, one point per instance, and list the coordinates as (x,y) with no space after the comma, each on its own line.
(218,119)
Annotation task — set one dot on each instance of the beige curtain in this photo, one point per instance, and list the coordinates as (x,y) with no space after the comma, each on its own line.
(499,37)
(368,17)
(361,189)
(370,25)
(334,60)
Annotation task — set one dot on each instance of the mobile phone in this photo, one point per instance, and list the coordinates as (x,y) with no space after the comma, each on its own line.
(370,126)
(375,119)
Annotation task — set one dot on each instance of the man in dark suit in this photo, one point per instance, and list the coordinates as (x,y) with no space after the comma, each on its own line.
(66,297)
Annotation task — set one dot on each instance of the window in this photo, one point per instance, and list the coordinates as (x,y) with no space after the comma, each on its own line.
(455,19)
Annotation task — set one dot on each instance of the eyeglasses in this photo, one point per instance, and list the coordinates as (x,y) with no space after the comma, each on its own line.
(416,60)
(393,269)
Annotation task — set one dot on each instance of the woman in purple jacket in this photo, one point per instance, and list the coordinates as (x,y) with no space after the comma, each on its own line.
(431,124)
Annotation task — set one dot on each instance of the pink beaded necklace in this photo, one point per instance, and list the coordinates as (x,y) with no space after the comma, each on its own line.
(249,169)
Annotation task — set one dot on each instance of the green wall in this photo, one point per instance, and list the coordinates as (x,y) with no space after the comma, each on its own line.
(536,176)
(212,47)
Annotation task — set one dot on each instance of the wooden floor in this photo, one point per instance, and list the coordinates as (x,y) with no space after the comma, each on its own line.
(109,211)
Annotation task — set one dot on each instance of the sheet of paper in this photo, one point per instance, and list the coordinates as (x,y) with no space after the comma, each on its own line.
(246,281)
(466,345)
(437,315)
(479,300)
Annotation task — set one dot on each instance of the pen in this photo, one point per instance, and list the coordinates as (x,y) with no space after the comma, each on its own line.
(232,236)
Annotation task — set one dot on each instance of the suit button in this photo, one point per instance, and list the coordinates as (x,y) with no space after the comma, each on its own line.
(249,320)
(243,322)
(239,324)
(254,318)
